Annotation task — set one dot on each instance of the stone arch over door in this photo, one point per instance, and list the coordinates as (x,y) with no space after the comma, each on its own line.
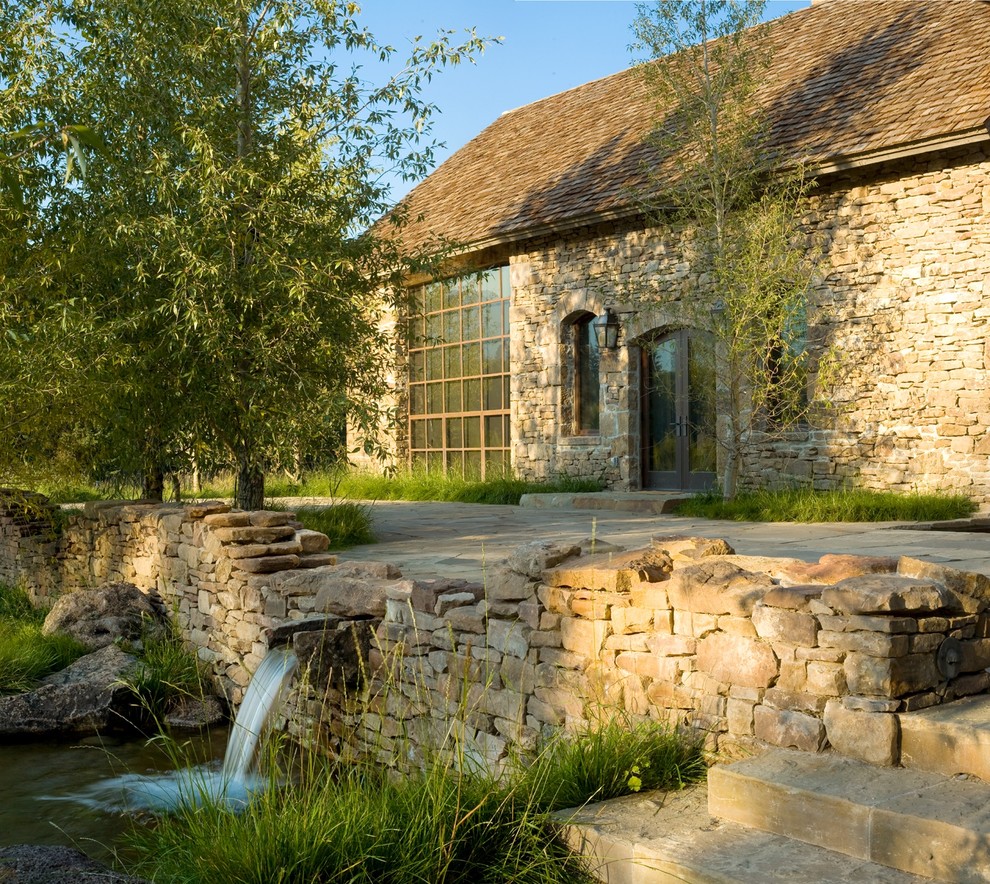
(677,409)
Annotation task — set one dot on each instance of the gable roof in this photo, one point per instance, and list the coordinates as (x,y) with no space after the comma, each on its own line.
(851,83)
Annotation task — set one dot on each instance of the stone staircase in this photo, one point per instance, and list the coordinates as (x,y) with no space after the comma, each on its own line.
(821,818)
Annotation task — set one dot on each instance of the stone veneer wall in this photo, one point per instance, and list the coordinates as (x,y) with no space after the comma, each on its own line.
(750,651)
(906,291)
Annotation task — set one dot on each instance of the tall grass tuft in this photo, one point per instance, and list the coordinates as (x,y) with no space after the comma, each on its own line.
(169,670)
(26,655)
(346,524)
(807,505)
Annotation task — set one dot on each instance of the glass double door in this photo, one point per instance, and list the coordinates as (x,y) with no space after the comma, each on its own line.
(679,441)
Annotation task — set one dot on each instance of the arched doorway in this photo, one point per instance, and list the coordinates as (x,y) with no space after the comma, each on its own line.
(678,407)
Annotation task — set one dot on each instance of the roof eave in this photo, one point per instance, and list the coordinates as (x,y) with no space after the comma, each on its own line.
(829,165)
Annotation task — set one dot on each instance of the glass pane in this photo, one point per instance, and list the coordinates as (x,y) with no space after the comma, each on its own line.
(434,398)
(491,289)
(434,364)
(434,433)
(472,360)
(433,298)
(701,403)
(434,329)
(452,361)
(471,318)
(506,281)
(434,461)
(417,399)
(588,376)
(452,326)
(418,434)
(455,432)
(419,461)
(491,320)
(661,363)
(492,394)
(493,431)
(417,366)
(505,354)
(472,395)
(450,294)
(472,432)
(452,396)
(505,316)
(492,362)
(470,290)
(506,399)
(472,464)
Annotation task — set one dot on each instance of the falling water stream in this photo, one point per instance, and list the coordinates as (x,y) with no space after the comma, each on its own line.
(68,794)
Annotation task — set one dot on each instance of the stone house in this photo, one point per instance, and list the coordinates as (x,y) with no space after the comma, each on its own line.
(889,103)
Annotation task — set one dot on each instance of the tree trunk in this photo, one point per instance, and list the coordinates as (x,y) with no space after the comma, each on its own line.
(176,488)
(249,490)
(153,483)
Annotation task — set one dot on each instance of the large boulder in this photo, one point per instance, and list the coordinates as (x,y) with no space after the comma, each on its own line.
(87,697)
(99,617)
(31,864)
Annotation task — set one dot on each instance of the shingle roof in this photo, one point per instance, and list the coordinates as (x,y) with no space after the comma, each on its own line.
(849,79)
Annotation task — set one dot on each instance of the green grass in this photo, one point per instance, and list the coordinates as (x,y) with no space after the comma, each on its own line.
(358,823)
(26,656)
(806,505)
(169,670)
(432,485)
(346,524)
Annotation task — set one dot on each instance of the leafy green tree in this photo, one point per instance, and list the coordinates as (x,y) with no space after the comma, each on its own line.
(738,206)
(224,248)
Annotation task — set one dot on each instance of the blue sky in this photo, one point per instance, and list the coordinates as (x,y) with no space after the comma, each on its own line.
(549,46)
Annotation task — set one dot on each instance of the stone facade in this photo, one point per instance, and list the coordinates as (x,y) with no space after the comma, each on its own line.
(905,297)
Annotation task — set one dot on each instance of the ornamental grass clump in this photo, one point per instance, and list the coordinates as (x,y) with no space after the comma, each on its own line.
(27,655)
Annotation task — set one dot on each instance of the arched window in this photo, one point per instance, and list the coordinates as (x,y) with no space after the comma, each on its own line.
(586,362)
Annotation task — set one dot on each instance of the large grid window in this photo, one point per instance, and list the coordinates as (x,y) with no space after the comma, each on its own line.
(459,375)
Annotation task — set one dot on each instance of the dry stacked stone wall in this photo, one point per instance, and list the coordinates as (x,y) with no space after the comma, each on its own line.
(747,651)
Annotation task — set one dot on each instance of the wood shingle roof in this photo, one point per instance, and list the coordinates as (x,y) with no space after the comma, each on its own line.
(851,82)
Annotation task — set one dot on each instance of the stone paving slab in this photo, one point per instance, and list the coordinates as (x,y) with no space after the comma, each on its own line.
(427,539)
(661,838)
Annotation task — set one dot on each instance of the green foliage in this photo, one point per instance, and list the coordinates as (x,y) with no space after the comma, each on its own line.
(26,656)
(610,759)
(806,505)
(168,670)
(357,823)
(346,524)
(212,290)
(437,485)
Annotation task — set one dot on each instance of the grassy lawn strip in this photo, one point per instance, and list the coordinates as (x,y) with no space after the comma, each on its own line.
(412,485)
(806,505)
(356,823)
(26,656)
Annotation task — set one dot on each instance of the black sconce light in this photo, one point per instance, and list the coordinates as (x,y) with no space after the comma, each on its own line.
(607,330)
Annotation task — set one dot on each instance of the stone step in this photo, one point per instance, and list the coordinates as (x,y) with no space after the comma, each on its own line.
(949,739)
(644,502)
(920,822)
(671,839)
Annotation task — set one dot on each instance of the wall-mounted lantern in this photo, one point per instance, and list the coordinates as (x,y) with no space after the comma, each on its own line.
(607,330)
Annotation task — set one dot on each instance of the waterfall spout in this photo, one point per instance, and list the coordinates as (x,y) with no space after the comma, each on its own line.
(264,696)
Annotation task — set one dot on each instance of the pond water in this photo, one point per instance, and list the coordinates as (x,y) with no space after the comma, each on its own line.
(69,793)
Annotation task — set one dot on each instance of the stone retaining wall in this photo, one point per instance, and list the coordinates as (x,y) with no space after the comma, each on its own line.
(749,651)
